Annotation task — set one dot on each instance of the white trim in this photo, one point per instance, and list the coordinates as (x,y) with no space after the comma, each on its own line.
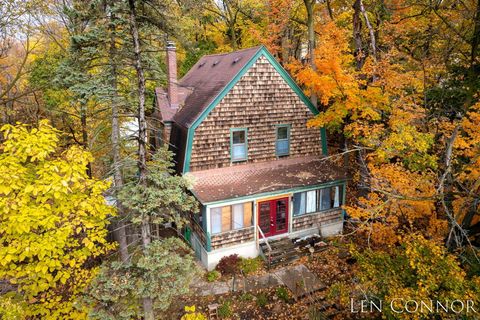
(207,220)
(255,220)
(290,213)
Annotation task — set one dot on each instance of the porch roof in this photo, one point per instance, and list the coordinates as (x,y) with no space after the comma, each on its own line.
(229,183)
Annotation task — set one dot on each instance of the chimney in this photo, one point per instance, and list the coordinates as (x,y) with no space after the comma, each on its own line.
(172,74)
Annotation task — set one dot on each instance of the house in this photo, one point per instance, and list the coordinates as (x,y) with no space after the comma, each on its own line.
(237,123)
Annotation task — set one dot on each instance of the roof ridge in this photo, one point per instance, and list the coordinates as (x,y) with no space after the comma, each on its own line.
(227,53)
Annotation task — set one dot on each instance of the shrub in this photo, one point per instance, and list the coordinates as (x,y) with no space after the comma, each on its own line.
(249,265)
(262,300)
(229,265)
(191,314)
(224,310)
(213,275)
(246,297)
(282,294)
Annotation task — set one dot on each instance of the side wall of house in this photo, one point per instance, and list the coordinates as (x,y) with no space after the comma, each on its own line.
(259,101)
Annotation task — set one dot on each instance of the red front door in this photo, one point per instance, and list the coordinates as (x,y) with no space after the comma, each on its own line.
(273,216)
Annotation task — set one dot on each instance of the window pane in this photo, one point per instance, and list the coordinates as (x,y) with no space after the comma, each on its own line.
(238,137)
(325,199)
(281,218)
(282,147)
(336,199)
(340,189)
(247,214)
(226,218)
(239,152)
(282,133)
(237,216)
(299,203)
(264,217)
(216,220)
(311,201)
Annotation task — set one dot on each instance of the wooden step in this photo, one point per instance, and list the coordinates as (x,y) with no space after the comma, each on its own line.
(289,257)
(283,251)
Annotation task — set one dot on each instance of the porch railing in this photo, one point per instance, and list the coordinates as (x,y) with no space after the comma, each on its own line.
(203,236)
(266,242)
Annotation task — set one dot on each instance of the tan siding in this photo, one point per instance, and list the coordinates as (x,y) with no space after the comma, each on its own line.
(311,220)
(259,101)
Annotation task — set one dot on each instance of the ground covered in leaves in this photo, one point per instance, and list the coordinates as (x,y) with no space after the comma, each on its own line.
(333,266)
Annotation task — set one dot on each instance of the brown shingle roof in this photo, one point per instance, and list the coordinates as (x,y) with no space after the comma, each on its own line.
(166,111)
(205,81)
(257,178)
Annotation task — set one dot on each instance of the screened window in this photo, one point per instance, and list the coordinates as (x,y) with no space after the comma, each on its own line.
(299,203)
(216,220)
(239,144)
(311,201)
(325,199)
(282,146)
(232,217)
(317,200)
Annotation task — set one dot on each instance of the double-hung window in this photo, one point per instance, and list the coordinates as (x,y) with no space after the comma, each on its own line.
(282,144)
(238,143)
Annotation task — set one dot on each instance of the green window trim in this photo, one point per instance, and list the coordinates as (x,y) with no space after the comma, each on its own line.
(287,152)
(245,143)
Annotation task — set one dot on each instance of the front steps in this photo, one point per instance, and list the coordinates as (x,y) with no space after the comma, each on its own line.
(282,251)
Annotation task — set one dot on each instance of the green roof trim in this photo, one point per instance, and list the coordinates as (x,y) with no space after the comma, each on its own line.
(252,197)
(261,52)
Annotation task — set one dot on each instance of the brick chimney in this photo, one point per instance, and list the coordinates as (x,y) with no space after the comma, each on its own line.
(172,74)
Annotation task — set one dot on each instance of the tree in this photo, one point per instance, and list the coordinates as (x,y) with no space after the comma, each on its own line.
(157,270)
(163,271)
(53,220)
(419,270)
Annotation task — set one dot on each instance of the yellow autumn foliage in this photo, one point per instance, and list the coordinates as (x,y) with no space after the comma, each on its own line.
(53,220)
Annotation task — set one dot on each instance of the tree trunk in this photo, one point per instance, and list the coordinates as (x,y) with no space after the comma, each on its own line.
(83,121)
(142,124)
(142,135)
(474,51)
(357,36)
(329,9)
(119,226)
(373,42)
(310,6)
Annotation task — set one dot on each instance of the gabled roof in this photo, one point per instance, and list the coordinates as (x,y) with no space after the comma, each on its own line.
(206,79)
(205,85)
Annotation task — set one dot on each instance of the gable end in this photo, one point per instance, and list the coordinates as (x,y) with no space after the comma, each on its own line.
(263,52)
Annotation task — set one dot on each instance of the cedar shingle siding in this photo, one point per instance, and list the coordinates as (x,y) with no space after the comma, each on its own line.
(259,101)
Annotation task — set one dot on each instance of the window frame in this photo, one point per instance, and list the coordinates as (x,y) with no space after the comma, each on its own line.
(232,130)
(232,218)
(318,199)
(277,127)
(211,220)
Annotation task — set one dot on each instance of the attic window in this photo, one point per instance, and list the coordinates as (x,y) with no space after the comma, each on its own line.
(215,63)
(238,144)
(237,59)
